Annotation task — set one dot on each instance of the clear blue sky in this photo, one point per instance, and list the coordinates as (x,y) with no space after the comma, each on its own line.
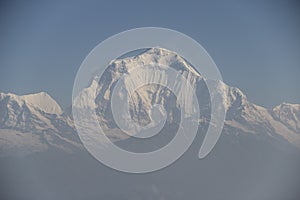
(256,44)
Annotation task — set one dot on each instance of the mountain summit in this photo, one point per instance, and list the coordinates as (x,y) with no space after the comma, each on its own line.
(158,56)
(42,100)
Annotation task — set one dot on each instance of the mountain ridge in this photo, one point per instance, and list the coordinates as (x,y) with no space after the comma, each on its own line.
(41,117)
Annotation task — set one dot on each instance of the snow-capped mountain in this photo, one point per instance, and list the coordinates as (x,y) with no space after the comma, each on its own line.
(280,124)
(28,111)
(289,115)
(35,122)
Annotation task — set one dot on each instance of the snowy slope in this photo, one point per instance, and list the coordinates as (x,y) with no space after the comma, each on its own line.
(44,102)
(289,115)
(33,123)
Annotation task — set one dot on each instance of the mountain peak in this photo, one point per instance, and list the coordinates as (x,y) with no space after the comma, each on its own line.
(42,101)
(155,56)
(158,51)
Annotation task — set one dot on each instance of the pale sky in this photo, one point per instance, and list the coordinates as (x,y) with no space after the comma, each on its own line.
(256,44)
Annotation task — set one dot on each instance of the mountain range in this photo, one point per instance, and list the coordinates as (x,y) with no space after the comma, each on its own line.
(36,123)
(42,157)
